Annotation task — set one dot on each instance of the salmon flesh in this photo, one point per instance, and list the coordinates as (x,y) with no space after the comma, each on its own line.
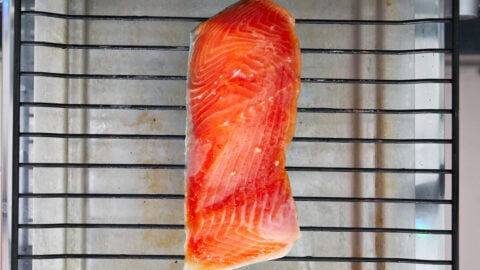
(243,85)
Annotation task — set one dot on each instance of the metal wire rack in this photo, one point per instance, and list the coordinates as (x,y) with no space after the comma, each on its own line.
(50,197)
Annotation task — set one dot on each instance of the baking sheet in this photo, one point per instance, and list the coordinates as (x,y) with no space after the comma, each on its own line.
(158,121)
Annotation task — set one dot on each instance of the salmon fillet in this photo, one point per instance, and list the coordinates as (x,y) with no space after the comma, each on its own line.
(243,84)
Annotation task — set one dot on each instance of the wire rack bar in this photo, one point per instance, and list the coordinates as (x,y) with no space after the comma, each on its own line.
(200,19)
(375,81)
(102,136)
(183,78)
(102,226)
(105,46)
(100,256)
(455,134)
(103,196)
(181,197)
(287,258)
(376,111)
(182,137)
(369,170)
(181,167)
(371,200)
(15,189)
(99,165)
(373,140)
(378,52)
(367,260)
(182,227)
(186,48)
(103,106)
(105,76)
(183,108)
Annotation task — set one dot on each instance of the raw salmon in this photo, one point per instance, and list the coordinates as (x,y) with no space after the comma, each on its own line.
(243,84)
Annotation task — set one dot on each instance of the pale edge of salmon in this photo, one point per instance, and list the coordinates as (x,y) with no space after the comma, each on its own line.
(271,256)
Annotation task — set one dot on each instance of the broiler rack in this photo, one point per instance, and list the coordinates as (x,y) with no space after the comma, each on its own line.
(16,164)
